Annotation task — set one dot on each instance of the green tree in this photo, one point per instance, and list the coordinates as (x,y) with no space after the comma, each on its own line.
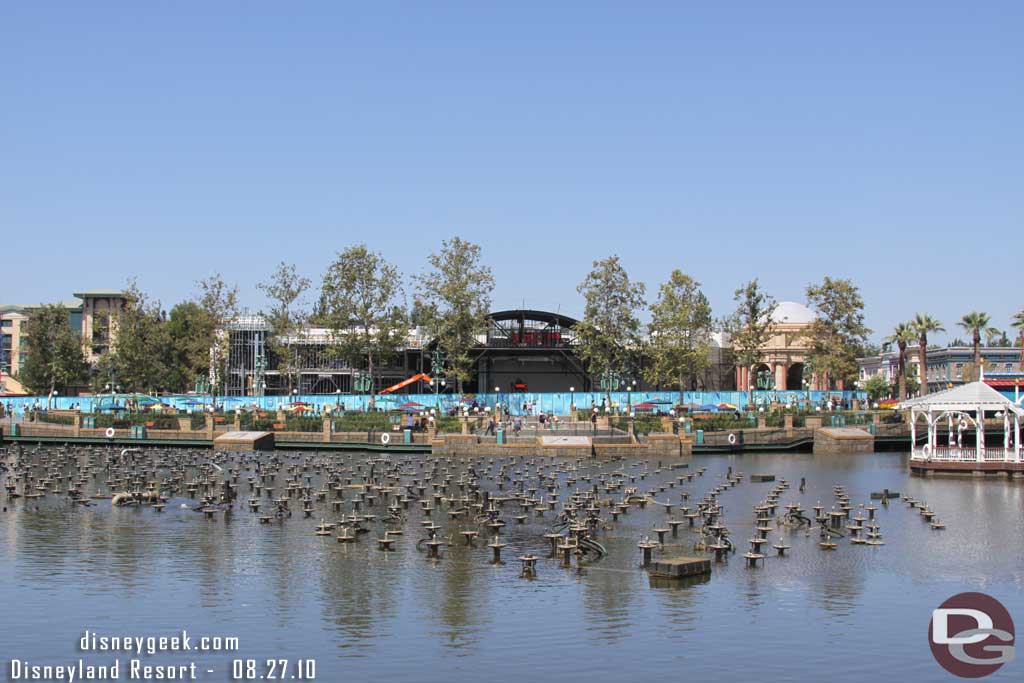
(838,330)
(923,325)
(358,298)
(140,350)
(902,335)
(913,385)
(219,302)
(609,332)
(680,332)
(454,298)
(977,323)
(752,325)
(996,337)
(1018,322)
(55,359)
(877,387)
(188,331)
(286,317)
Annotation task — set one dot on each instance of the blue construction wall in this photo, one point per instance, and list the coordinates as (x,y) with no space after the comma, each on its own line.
(558,403)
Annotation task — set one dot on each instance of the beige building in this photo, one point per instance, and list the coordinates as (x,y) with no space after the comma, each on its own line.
(784,355)
(99,309)
(92,315)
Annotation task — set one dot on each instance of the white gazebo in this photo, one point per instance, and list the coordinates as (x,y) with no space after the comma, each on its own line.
(953,411)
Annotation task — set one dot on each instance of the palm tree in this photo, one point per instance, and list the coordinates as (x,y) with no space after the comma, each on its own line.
(1018,322)
(995,337)
(923,324)
(901,335)
(975,322)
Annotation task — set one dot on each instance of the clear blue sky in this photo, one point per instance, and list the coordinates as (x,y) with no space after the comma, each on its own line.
(880,141)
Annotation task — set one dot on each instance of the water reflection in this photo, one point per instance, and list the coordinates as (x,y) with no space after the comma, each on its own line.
(359,611)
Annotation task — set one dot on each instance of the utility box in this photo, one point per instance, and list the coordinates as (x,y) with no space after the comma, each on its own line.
(500,435)
(406,436)
(700,436)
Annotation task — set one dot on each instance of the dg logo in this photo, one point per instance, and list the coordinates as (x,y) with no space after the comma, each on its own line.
(971,635)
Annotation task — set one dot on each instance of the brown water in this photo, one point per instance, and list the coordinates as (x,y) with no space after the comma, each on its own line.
(285,593)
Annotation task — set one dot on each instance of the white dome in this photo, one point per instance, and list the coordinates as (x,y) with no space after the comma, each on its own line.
(792,313)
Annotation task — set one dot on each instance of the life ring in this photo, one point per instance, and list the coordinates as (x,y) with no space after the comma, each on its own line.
(732,439)
(963,424)
(385,438)
(110,432)
(926,450)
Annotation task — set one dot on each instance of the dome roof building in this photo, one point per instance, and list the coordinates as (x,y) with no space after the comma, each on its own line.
(782,359)
(792,313)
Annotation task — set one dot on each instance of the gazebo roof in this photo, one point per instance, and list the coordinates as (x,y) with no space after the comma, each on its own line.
(969,396)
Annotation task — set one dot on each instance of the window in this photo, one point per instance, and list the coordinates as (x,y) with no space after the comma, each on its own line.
(6,323)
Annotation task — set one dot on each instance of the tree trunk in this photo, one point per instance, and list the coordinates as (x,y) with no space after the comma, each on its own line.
(901,375)
(922,368)
(977,350)
(369,366)
(681,399)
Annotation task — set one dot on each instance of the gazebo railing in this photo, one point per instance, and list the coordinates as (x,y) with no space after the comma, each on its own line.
(959,454)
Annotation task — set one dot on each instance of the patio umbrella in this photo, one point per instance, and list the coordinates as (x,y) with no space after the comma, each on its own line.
(708,408)
(645,406)
(661,401)
(726,406)
(411,404)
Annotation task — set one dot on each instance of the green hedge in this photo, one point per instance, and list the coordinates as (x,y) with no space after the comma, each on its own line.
(642,424)
(362,422)
(50,418)
(448,424)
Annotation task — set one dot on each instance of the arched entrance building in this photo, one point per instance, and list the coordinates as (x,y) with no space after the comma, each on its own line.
(782,366)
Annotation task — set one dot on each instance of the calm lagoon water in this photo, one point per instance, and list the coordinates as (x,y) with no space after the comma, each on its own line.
(855,613)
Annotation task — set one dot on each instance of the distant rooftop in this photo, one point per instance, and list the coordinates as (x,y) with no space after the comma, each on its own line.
(22,308)
(98,293)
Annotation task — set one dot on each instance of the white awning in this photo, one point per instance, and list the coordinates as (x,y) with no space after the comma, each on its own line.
(970,396)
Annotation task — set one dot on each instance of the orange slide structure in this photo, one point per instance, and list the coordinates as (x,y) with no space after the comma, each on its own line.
(406,382)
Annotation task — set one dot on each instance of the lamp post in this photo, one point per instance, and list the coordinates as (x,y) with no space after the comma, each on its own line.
(437,385)
(337,398)
(497,400)
(572,403)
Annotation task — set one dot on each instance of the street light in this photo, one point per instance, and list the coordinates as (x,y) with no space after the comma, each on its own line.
(437,386)
(572,402)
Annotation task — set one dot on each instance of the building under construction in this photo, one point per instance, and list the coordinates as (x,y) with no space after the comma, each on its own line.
(520,351)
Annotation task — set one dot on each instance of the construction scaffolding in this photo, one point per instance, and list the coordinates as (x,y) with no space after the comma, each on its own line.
(247,356)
